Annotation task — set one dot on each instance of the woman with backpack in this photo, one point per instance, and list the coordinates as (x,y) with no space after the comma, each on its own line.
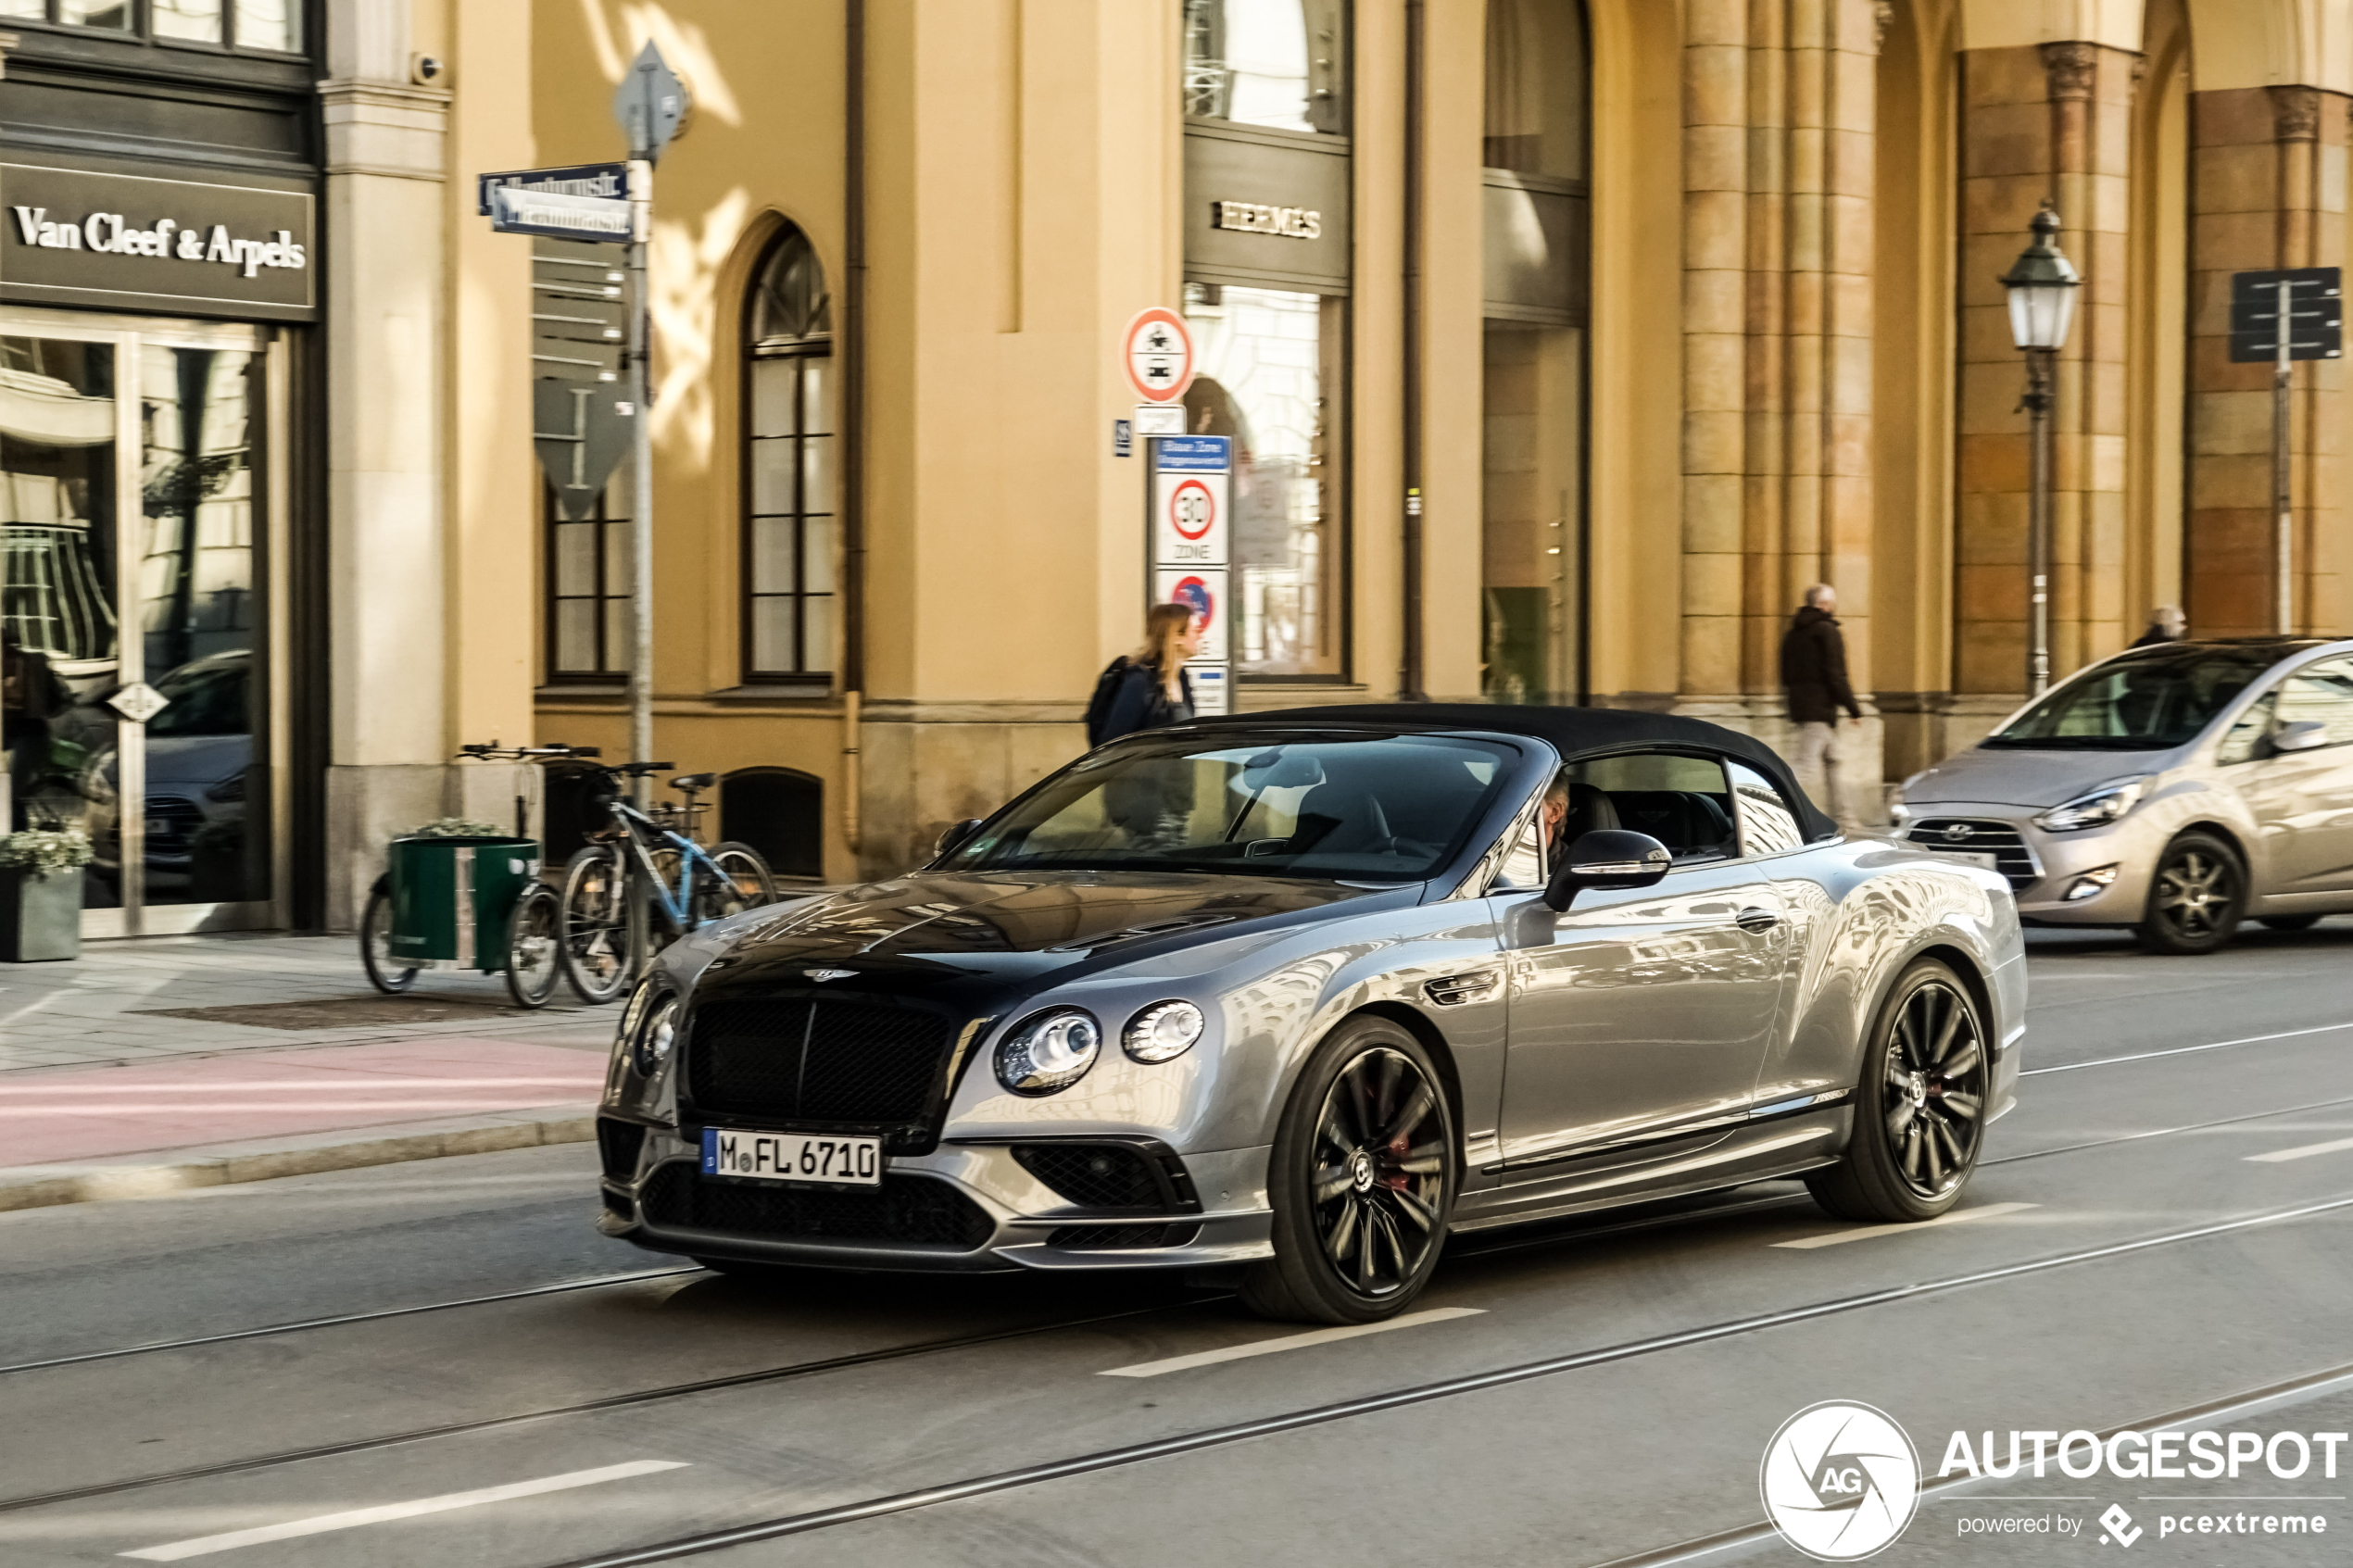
(1147,689)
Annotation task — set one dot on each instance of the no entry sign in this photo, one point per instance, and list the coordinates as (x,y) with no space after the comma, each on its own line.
(1158,355)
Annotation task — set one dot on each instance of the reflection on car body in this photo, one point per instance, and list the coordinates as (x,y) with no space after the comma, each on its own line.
(1302,993)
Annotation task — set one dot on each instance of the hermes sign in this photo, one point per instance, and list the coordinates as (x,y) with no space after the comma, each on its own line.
(127,242)
(1257,217)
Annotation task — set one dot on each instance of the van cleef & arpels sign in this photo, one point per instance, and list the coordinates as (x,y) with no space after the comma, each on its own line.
(124,241)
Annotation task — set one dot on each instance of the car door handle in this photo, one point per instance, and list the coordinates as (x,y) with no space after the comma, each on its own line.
(1753,919)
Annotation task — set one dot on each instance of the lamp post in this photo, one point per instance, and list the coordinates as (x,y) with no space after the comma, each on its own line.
(2041,285)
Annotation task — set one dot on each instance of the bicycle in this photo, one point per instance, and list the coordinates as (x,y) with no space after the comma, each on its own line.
(684,885)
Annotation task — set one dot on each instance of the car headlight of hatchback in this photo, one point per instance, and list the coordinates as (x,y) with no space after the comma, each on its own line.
(1162,1032)
(1048,1052)
(2097,809)
(653,1029)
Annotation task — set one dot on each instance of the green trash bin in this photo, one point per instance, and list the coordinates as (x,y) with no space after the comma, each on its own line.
(451,900)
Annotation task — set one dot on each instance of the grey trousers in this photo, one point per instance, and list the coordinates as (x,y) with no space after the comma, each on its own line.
(1820,764)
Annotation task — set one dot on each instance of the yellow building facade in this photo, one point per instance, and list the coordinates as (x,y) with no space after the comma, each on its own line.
(1616,323)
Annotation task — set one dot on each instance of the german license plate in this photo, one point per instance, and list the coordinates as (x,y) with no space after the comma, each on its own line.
(792,1157)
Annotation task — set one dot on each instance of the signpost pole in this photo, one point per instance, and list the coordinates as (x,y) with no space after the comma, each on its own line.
(2282,472)
(641,475)
(641,525)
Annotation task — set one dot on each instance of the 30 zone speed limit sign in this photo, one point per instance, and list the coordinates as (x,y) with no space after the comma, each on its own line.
(1188,523)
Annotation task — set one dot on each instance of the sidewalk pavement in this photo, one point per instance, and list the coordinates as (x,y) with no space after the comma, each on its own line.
(163,1063)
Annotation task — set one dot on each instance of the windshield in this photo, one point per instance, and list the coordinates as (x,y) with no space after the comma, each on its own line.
(2140,702)
(1371,808)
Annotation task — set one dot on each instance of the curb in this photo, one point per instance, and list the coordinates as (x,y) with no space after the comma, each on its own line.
(146,1175)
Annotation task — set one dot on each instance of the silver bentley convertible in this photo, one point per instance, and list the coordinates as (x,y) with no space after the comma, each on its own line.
(1296,995)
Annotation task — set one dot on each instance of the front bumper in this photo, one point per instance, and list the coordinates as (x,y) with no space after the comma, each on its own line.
(1010,1218)
(2057,862)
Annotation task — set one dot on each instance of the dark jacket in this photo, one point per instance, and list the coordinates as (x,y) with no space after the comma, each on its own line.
(2154,637)
(1137,700)
(1814,668)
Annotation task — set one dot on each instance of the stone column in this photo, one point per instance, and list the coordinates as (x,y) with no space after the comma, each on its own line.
(2267,190)
(1779,99)
(386,292)
(2049,122)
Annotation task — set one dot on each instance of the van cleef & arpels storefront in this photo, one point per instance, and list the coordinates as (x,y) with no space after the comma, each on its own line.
(144,383)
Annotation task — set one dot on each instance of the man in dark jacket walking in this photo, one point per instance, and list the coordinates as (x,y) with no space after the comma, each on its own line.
(1814,674)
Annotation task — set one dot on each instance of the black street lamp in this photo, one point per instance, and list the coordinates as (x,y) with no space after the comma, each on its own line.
(2042,286)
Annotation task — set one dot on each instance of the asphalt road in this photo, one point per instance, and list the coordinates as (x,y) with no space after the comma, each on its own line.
(510,1389)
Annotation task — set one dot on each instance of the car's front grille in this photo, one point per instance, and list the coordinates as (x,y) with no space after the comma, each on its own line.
(829,1062)
(618,1143)
(1120,1239)
(913,1210)
(1093,1175)
(1979,835)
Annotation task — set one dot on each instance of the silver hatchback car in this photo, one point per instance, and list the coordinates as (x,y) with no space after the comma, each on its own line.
(2177,789)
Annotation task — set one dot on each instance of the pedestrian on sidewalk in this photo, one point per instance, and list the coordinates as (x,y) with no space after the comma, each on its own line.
(1814,676)
(1148,688)
(2166,624)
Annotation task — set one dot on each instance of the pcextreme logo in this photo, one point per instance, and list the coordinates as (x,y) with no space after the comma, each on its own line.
(1841,1481)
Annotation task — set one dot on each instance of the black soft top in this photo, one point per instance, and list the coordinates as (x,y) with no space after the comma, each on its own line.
(1572,732)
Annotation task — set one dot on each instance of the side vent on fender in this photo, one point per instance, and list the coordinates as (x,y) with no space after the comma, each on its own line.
(1453,990)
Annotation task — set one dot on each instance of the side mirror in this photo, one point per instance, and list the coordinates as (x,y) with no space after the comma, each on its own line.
(2301,735)
(955,833)
(1606,857)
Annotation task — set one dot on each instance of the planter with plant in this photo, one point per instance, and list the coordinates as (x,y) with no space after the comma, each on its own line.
(40,895)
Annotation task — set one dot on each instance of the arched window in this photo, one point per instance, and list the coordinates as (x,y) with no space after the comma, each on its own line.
(790,443)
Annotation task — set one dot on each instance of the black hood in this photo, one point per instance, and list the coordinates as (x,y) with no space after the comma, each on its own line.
(1812,615)
(963,938)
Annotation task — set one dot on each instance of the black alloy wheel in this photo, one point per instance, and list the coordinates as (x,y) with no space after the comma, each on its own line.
(375,943)
(2196,898)
(1920,1108)
(1362,1177)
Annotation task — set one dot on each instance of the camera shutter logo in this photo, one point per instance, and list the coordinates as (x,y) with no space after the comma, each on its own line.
(1840,1481)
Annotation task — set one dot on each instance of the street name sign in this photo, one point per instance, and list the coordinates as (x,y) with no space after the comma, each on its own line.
(2315,315)
(581,202)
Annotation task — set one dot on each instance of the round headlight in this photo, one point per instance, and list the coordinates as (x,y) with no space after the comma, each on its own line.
(657,1031)
(1051,1051)
(1162,1032)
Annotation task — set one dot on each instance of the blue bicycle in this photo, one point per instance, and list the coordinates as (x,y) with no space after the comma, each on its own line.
(644,866)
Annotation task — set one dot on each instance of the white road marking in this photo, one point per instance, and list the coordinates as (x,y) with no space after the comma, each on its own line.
(2279,1154)
(2185,1050)
(173,1551)
(1865,1232)
(1288,1342)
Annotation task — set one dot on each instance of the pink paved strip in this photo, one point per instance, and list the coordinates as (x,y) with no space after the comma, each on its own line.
(49,1118)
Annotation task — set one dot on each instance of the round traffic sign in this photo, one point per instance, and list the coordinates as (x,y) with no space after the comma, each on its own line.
(1192,510)
(1195,592)
(1158,354)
